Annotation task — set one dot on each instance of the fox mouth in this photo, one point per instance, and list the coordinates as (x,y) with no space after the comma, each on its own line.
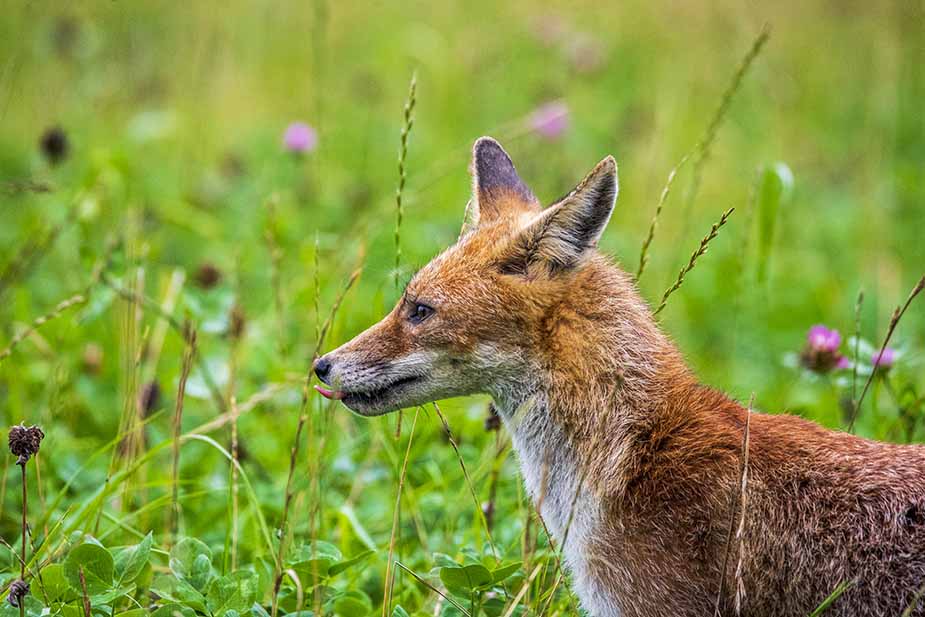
(376,399)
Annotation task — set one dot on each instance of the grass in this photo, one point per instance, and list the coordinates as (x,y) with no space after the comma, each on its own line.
(174,117)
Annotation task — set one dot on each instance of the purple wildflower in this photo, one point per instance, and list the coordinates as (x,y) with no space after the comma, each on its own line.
(885,359)
(823,339)
(821,352)
(300,138)
(551,120)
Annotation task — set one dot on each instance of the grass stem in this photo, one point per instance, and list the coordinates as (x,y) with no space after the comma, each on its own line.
(393,537)
(894,321)
(704,245)
(187,365)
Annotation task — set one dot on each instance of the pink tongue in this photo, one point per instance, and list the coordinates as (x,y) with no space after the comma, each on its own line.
(331,394)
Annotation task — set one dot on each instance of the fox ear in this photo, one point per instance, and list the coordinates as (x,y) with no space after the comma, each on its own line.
(495,184)
(562,233)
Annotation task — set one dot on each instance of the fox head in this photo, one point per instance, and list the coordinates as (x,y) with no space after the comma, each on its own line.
(481,314)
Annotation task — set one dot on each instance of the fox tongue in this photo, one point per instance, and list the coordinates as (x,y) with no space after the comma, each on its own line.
(335,395)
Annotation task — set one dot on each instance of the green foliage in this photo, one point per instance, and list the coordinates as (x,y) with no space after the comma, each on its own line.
(175,115)
(96,565)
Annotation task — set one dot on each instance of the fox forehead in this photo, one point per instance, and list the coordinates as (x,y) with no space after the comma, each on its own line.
(470,264)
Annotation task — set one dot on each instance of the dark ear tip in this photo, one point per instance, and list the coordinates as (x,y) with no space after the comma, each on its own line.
(607,168)
(488,146)
(608,165)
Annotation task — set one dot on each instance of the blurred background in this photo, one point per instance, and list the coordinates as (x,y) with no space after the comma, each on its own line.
(246,155)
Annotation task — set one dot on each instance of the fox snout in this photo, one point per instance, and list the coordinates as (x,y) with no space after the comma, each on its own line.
(371,384)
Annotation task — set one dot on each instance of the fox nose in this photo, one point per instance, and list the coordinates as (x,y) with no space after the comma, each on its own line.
(322,368)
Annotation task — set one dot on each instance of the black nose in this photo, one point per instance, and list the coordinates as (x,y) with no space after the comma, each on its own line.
(322,368)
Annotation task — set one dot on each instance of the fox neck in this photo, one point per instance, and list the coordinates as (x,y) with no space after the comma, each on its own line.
(598,371)
(603,380)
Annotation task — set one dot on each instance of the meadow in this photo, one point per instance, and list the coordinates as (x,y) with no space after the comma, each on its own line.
(196,201)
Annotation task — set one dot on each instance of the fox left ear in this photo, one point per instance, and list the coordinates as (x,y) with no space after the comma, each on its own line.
(496,186)
(564,231)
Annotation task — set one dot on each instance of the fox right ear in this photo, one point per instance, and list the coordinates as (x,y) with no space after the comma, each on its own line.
(566,230)
(495,185)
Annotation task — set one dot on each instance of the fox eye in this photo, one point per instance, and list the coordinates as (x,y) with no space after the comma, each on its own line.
(420,312)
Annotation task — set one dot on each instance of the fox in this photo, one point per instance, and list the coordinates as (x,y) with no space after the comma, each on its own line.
(631,462)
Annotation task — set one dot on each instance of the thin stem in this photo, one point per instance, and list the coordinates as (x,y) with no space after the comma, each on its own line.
(857,350)
(234,483)
(32,252)
(702,149)
(149,304)
(287,499)
(415,576)
(22,560)
(399,211)
(83,589)
(402,175)
(644,251)
(177,422)
(276,257)
(334,308)
(704,245)
(60,308)
(389,573)
(737,503)
(475,498)
(894,320)
(294,451)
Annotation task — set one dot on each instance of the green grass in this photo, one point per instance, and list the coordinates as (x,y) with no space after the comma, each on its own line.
(175,115)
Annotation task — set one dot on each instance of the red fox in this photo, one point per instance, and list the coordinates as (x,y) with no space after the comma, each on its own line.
(617,440)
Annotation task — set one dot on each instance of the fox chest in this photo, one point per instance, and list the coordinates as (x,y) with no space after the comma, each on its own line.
(553,480)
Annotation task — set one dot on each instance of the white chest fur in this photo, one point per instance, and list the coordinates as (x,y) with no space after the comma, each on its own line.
(553,480)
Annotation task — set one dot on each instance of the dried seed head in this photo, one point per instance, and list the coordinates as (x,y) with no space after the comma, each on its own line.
(19,589)
(55,145)
(25,442)
(208,276)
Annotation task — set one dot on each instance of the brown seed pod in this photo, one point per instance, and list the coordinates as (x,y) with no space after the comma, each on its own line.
(25,442)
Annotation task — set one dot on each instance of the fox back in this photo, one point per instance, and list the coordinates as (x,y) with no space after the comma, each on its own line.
(634,465)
